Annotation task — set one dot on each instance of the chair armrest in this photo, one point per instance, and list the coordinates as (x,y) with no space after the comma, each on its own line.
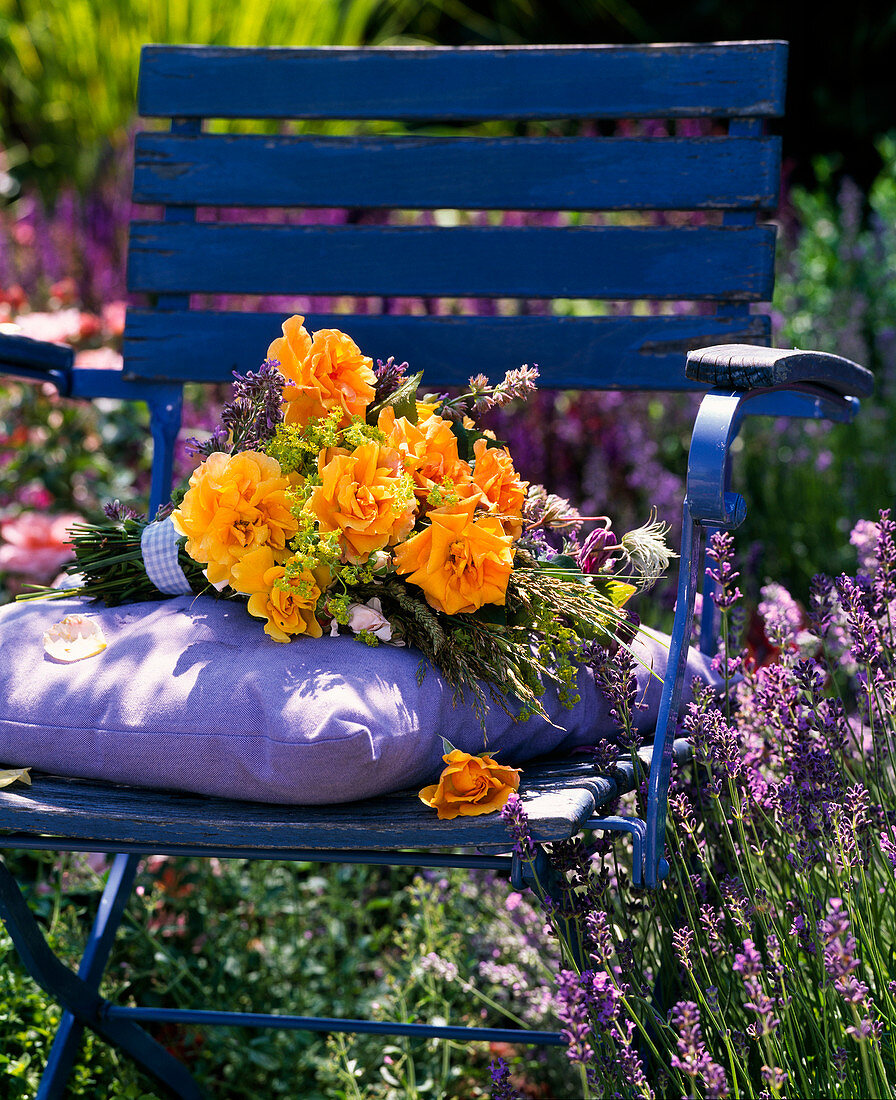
(37,361)
(745,367)
(748,380)
(754,381)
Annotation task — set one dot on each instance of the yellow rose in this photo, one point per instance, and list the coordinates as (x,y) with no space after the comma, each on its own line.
(235,504)
(428,450)
(470,785)
(366,496)
(323,372)
(500,486)
(287,603)
(459,561)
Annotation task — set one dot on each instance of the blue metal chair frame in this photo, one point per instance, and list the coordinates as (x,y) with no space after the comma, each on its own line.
(743,380)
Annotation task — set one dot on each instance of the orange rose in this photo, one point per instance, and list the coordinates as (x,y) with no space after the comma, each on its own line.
(460,562)
(287,603)
(428,450)
(327,371)
(366,496)
(235,504)
(499,484)
(470,785)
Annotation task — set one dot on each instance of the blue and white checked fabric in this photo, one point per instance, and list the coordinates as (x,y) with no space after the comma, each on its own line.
(159,545)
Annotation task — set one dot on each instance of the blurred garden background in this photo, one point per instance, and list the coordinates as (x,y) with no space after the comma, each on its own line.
(67,118)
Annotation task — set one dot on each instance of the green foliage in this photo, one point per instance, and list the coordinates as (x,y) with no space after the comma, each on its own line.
(807,484)
(308,939)
(68,68)
(70,453)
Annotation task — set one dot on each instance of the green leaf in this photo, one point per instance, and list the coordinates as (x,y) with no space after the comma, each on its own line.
(491,613)
(564,561)
(467,437)
(620,592)
(464,444)
(403,401)
(447,746)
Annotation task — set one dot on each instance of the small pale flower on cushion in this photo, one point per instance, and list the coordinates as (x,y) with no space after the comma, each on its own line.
(369,617)
(286,602)
(461,562)
(470,785)
(323,372)
(74,638)
(366,497)
(235,504)
(14,775)
(35,545)
(495,477)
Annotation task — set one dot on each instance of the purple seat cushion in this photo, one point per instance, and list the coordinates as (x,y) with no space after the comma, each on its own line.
(191,695)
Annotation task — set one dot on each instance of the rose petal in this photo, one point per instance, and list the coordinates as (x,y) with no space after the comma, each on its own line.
(73,639)
(10,775)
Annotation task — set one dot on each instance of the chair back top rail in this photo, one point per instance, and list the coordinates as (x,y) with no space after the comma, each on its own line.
(721,261)
(726,80)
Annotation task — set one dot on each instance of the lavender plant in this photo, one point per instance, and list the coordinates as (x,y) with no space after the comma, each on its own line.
(764,967)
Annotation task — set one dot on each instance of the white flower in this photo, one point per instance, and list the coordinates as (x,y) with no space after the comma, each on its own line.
(369,616)
(647,551)
(380,563)
(74,638)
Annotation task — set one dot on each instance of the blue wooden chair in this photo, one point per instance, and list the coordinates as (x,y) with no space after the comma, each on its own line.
(725,263)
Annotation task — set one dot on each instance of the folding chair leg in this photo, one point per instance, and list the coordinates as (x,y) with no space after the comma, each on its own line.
(79,998)
(93,963)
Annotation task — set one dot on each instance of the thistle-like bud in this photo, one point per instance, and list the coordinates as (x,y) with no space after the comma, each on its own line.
(647,552)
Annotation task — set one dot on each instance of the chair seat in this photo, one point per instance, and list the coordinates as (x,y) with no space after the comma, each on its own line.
(559,796)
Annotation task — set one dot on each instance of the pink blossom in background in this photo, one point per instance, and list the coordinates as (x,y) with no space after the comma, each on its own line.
(35,546)
(113,317)
(99,359)
(61,326)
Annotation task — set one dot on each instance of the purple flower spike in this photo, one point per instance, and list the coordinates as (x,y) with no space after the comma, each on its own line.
(693,1059)
(502,1089)
(572,1007)
(517,822)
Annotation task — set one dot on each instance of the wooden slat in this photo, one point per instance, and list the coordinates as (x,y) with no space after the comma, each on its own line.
(558,795)
(411,82)
(571,352)
(590,262)
(465,173)
(561,801)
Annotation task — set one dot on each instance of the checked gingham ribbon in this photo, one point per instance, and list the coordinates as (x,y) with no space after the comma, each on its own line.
(159,546)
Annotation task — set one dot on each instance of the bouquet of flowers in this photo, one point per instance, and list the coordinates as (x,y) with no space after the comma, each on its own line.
(333,497)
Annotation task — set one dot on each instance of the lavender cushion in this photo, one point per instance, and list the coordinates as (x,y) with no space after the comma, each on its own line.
(191,695)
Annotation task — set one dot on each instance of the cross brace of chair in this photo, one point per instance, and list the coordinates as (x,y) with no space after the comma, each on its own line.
(84,1007)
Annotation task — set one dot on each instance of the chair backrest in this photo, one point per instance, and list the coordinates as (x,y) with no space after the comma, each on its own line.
(537,130)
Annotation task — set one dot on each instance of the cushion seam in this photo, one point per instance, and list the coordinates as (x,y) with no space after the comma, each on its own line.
(190,733)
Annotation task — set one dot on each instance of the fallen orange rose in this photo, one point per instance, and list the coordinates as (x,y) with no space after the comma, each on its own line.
(470,785)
